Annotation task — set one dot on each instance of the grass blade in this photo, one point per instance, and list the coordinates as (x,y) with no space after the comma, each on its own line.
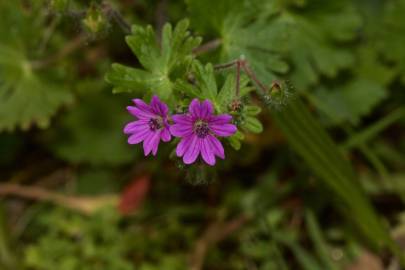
(310,140)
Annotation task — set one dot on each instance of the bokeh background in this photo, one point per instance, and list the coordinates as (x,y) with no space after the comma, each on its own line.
(320,185)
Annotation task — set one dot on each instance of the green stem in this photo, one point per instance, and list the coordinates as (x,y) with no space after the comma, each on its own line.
(373,130)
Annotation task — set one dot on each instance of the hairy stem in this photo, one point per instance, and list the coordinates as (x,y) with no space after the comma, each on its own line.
(237,78)
(70,47)
(243,64)
(226,65)
(117,17)
(160,17)
(209,46)
(254,78)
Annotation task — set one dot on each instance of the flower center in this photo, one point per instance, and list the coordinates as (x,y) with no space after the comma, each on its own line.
(201,129)
(155,124)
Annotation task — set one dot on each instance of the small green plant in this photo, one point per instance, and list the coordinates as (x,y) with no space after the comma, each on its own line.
(271,134)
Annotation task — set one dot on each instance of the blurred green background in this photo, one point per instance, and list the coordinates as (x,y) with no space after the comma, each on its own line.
(322,187)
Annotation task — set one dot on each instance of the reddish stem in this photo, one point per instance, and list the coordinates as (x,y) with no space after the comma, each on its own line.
(209,46)
(243,64)
(238,64)
(254,78)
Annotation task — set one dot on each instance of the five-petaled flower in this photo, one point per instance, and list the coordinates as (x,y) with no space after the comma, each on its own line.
(152,124)
(198,130)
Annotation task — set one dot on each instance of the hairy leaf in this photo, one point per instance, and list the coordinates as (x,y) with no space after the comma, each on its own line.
(391,37)
(342,104)
(160,62)
(94,136)
(27,97)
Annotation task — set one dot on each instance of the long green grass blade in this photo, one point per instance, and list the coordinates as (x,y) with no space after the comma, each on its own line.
(324,158)
(306,260)
(318,240)
(373,130)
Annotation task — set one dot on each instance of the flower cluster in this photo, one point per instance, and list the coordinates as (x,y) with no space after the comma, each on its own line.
(198,129)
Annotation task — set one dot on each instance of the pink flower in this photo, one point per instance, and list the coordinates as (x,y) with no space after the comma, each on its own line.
(152,124)
(199,130)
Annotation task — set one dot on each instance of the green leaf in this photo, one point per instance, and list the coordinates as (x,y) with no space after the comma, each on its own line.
(370,67)
(20,27)
(261,43)
(266,34)
(128,79)
(94,136)
(243,33)
(317,30)
(228,91)
(252,110)
(252,124)
(391,38)
(342,103)
(190,90)
(205,79)
(213,20)
(248,120)
(160,63)
(205,87)
(27,97)
(235,140)
(311,48)
(30,101)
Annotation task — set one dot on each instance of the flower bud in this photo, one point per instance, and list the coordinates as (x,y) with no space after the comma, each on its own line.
(95,21)
(279,93)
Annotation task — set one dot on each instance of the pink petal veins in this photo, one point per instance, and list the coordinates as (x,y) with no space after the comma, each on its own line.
(193,150)
(207,153)
(225,130)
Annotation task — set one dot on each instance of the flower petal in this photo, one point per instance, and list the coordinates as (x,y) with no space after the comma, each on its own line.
(151,142)
(194,108)
(159,107)
(220,119)
(180,130)
(182,119)
(141,114)
(192,151)
(206,109)
(136,126)
(165,135)
(142,105)
(139,136)
(183,145)
(223,130)
(155,145)
(216,146)
(207,153)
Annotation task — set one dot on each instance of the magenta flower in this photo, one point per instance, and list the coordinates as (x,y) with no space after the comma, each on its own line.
(199,130)
(152,124)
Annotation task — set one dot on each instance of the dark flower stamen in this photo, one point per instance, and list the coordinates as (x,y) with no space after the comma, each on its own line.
(198,130)
(151,125)
(155,124)
(201,129)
